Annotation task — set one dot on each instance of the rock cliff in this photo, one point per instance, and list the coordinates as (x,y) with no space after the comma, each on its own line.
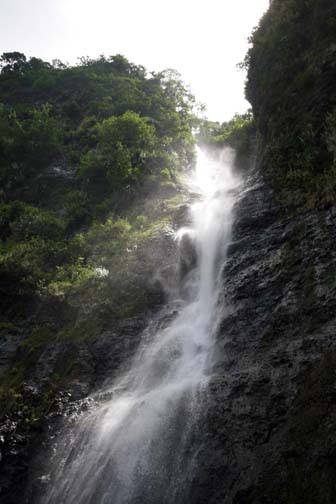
(270,428)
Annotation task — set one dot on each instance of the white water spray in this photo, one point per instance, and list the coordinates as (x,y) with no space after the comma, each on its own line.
(135,447)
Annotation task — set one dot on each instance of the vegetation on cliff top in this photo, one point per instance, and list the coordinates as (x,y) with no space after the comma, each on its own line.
(236,133)
(239,134)
(291,86)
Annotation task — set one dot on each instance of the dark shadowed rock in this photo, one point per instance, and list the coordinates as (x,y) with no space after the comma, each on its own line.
(270,416)
(187,256)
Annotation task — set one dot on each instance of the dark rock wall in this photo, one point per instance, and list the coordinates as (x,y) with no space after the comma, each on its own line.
(269,432)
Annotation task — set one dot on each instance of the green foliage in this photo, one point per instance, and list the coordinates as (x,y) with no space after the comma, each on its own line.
(237,133)
(81,149)
(26,145)
(140,221)
(103,240)
(70,277)
(291,73)
(106,114)
(22,222)
(76,209)
(125,145)
(13,62)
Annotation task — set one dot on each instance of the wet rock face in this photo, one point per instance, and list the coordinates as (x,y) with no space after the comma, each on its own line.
(22,473)
(188,256)
(87,364)
(270,434)
(9,342)
(269,424)
(109,350)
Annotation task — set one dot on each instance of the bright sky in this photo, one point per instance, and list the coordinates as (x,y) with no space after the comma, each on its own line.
(204,41)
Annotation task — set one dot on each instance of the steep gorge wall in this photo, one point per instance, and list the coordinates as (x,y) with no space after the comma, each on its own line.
(270,434)
(291,86)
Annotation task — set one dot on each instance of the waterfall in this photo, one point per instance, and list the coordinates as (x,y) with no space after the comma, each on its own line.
(137,445)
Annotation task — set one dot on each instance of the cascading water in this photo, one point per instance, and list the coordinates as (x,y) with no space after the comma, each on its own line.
(137,446)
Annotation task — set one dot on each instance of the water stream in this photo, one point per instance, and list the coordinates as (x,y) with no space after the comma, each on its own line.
(137,446)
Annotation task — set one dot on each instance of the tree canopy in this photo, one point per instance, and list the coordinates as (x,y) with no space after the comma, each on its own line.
(76,144)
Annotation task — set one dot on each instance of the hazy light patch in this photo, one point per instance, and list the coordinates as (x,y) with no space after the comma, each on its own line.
(203,41)
(101,272)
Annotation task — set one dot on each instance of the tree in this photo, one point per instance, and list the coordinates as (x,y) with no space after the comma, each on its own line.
(26,145)
(13,62)
(125,144)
